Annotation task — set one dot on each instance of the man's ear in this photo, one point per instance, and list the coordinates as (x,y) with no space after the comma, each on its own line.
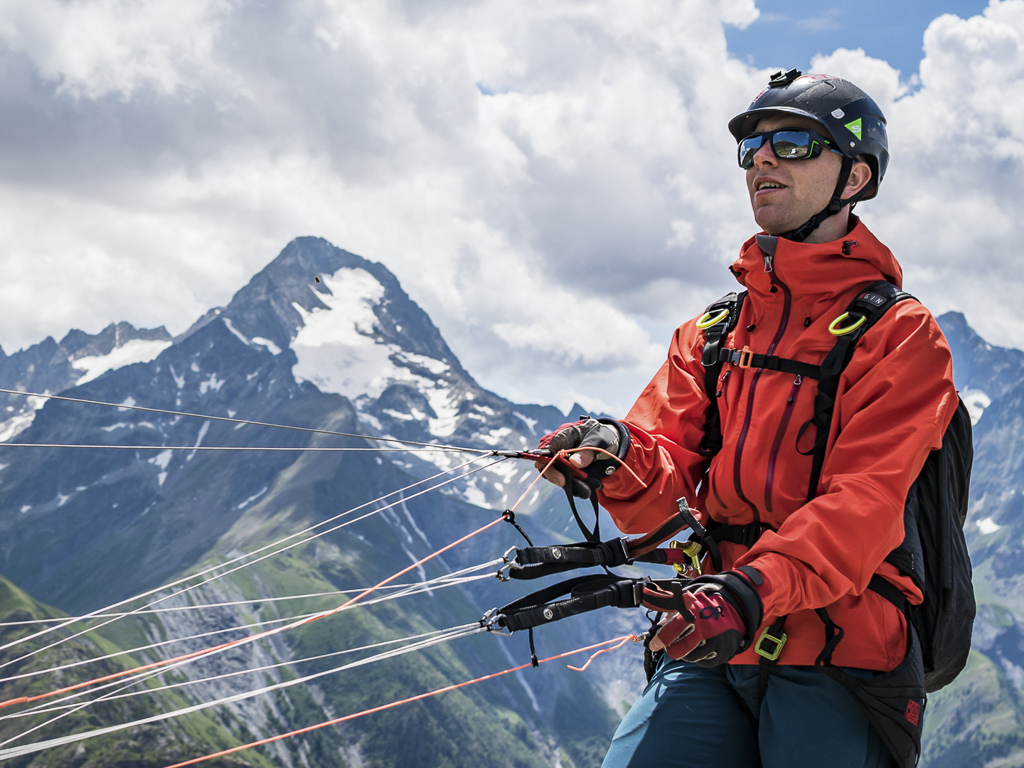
(860,177)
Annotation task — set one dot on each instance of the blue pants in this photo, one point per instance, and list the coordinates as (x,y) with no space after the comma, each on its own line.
(697,717)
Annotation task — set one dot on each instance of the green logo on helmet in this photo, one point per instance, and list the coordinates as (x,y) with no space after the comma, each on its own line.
(855,128)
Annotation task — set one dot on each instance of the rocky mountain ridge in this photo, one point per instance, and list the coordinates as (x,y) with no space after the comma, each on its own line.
(321,339)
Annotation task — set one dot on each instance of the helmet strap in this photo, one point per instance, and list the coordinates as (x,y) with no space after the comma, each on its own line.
(835,205)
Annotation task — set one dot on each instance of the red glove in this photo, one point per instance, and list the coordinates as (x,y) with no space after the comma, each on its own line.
(717,619)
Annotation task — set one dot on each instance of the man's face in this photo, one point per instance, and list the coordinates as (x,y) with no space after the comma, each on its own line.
(786,193)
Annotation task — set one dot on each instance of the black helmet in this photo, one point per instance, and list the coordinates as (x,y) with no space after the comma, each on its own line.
(847,114)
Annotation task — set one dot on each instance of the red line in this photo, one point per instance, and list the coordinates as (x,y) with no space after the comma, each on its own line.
(392,705)
(250,638)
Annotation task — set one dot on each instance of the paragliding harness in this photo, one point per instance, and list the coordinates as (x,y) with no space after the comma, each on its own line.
(933,553)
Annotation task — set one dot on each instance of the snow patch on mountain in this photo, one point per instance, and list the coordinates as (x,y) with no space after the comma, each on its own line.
(134,351)
(274,349)
(271,346)
(211,383)
(337,351)
(335,347)
(161,461)
(234,331)
(14,426)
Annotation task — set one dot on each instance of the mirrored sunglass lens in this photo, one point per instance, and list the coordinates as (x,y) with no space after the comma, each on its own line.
(748,148)
(792,145)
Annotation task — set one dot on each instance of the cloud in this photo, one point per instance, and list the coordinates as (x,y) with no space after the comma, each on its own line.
(949,206)
(555,186)
(562,162)
(91,49)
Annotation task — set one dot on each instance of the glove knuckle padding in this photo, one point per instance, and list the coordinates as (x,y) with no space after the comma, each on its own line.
(605,434)
(600,436)
(721,614)
(740,594)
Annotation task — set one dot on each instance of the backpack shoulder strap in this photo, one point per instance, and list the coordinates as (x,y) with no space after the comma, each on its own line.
(717,323)
(866,309)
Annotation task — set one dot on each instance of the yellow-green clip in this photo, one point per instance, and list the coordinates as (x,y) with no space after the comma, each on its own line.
(837,329)
(708,319)
(775,643)
(692,550)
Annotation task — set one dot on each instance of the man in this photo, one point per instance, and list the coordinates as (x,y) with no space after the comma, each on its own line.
(730,691)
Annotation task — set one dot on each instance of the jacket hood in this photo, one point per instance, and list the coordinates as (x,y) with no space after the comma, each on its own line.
(822,269)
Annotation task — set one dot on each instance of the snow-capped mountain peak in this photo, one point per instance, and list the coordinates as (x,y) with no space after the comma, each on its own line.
(80,357)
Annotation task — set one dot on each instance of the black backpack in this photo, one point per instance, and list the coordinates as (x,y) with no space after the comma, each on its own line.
(934,550)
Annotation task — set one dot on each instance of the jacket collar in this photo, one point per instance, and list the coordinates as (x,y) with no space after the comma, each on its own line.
(819,269)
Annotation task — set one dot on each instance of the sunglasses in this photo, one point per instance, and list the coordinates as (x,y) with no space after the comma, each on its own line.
(786,143)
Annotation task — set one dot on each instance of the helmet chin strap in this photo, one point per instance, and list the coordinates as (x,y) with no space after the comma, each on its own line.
(835,205)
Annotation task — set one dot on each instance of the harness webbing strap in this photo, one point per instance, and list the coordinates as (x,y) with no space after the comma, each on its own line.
(744,358)
(745,535)
(586,593)
(890,592)
(833,634)
(537,562)
(714,336)
(644,544)
(767,661)
(592,535)
(870,304)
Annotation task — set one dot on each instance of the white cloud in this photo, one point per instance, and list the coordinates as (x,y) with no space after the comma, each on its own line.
(949,206)
(552,163)
(91,49)
(555,185)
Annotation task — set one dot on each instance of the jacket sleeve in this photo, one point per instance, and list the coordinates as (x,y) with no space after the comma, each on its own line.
(666,426)
(895,400)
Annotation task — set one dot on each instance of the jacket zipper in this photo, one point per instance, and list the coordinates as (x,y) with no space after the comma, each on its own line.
(777,443)
(721,406)
(748,417)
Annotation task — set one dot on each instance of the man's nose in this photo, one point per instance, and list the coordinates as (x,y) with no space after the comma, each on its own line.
(765,155)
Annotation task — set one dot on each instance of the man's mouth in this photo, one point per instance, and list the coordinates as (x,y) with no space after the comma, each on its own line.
(769,185)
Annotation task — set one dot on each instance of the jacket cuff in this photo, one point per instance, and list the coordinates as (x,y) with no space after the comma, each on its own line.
(740,588)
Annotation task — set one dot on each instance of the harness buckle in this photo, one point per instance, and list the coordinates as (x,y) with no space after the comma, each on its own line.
(746,355)
(622,549)
(692,550)
(768,646)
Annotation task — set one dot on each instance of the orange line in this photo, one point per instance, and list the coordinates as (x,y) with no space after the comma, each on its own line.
(535,481)
(392,705)
(622,464)
(564,454)
(250,638)
(633,638)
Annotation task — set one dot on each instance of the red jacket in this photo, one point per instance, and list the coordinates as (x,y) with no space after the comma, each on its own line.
(895,399)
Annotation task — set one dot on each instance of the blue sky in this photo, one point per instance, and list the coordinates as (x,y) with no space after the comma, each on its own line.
(789,33)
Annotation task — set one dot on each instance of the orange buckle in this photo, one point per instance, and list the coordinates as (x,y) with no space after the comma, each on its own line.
(746,355)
